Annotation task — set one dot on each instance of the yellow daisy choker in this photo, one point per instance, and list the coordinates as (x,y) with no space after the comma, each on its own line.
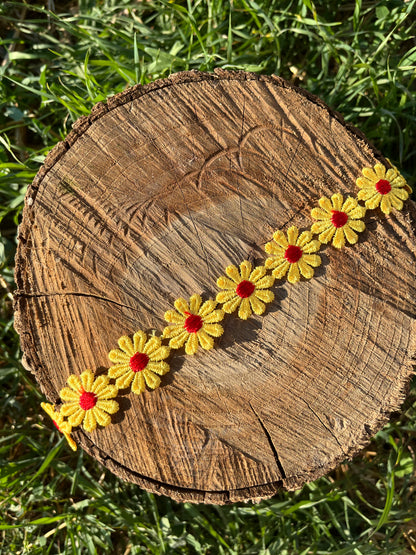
(89,400)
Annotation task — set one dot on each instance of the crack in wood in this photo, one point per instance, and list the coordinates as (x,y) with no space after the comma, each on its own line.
(22,295)
(270,442)
(325,426)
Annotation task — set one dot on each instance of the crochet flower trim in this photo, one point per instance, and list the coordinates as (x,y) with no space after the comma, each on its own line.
(89,400)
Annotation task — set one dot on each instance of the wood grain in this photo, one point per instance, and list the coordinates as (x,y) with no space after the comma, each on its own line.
(147,200)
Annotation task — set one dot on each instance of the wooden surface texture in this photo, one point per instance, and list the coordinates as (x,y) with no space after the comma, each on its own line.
(149,199)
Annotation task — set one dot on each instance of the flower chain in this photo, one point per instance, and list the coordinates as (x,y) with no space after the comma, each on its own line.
(139,362)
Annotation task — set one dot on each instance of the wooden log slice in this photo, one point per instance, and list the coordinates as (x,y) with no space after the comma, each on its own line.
(149,199)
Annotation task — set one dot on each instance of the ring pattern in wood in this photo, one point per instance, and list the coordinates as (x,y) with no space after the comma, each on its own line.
(147,200)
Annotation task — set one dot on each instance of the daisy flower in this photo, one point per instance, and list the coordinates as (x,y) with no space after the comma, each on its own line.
(294,255)
(383,187)
(88,400)
(246,290)
(193,324)
(338,220)
(60,424)
(138,362)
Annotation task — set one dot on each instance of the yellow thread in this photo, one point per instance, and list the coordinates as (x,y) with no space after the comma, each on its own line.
(131,369)
(372,193)
(62,425)
(75,402)
(231,299)
(178,332)
(325,216)
(279,247)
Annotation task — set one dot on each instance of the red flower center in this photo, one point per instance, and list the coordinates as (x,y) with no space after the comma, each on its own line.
(383,186)
(245,289)
(293,253)
(193,323)
(87,400)
(56,426)
(339,219)
(138,362)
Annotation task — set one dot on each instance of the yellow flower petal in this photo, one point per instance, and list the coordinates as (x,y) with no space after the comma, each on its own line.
(275,250)
(357,213)
(280,238)
(70,441)
(195,302)
(325,204)
(160,368)
(115,372)
(191,345)
(385,204)
(304,240)
(151,379)
(213,329)
(231,305)
(337,201)
(205,340)
(339,238)
(207,308)
(101,418)
(373,201)
(69,395)
(380,171)
(174,318)
(118,356)
(126,345)
(257,275)
(370,174)
(181,306)
(319,214)
(265,282)
(74,383)
(215,316)
(292,235)
(402,194)
(311,246)
(282,269)
(138,386)
(224,296)
(151,346)
(98,386)
(326,236)
(173,331)
(90,423)
(312,259)
(245,269)
(357,225)
(304,268)
(159,354)
(244,311)
(226,283)
(124,380)
(350,235)
(396,202)
(49,409)
(321,227)
(178,341)
(256,305)
(233,273)
(109,406)
(264,295)
(349,205)
(76,417)
(293,275)
(139,341)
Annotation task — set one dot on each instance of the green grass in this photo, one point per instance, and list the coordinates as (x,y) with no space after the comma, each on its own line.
(360,57)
